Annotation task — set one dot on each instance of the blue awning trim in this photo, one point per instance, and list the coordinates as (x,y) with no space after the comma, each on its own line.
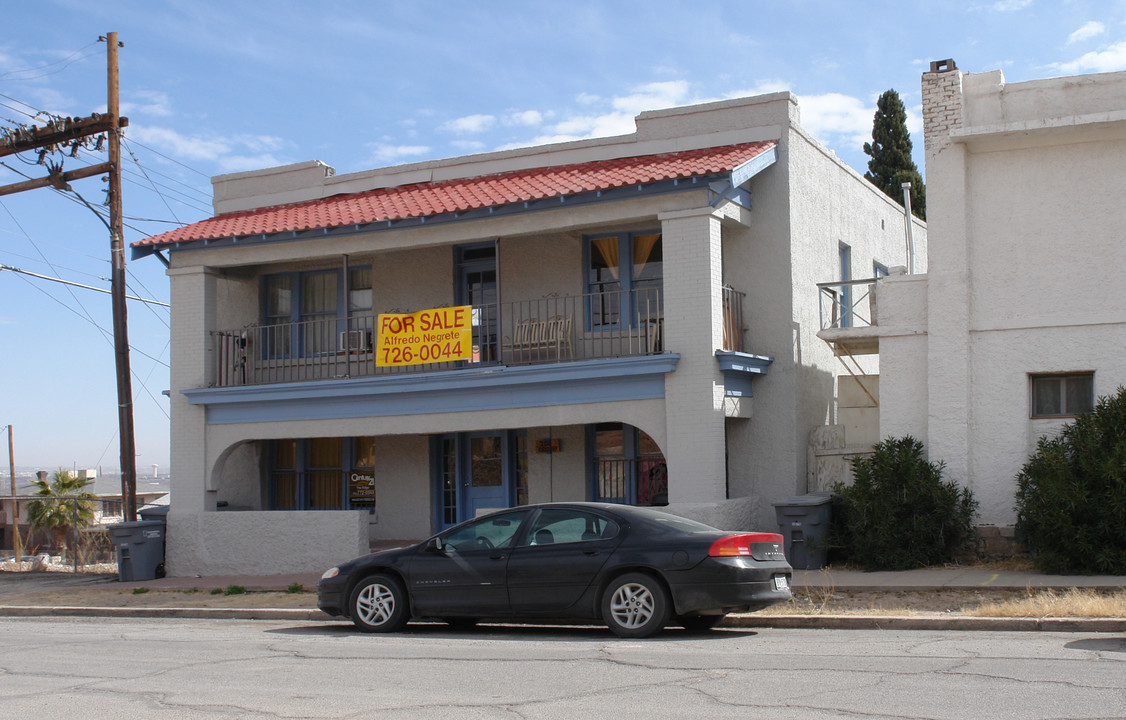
(494,388)
(739,369)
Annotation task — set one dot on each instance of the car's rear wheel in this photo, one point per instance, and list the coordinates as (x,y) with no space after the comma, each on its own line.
(635,605)
(379,604)
(700,623)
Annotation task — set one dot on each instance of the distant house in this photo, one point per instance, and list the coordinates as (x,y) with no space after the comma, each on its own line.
(641,331)
(1018,323)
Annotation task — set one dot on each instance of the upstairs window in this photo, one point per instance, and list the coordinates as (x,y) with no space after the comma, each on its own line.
(1062,394)
(624,275)
(305,312)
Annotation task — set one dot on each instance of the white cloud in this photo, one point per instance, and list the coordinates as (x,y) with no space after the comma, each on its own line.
(172,143)
(1109,60)
(588,126)
(468,145)
(149,103)
(469,124)
(230,154)
(586,99)
(241,163)
(653,96)
(1089,30)
(836,117)
(395,153)
(1011,5)
(530,118)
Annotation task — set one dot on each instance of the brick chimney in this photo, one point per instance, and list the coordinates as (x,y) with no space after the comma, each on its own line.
(942,104)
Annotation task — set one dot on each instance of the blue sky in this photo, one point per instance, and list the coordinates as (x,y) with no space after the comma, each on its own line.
(217,87)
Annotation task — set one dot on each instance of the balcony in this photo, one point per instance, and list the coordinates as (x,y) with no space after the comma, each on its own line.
(848,316)
(553,329)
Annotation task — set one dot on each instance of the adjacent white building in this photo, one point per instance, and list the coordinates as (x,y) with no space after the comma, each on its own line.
(1020,320)
(644,330)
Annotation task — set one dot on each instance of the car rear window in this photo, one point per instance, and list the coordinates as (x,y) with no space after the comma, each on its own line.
(675,523)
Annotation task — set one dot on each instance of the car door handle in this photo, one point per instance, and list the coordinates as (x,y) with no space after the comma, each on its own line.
(501,556)
(591,553)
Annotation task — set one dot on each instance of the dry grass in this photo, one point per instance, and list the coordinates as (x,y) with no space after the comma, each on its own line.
(1076,602)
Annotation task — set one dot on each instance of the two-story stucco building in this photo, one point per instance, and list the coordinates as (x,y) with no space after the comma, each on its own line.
(643,331)
(1018,323)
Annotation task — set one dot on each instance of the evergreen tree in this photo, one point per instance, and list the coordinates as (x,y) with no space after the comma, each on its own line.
(891,164)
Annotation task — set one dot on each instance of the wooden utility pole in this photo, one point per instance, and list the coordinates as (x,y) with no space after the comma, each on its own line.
(60,132)
(117,287)
(17,542)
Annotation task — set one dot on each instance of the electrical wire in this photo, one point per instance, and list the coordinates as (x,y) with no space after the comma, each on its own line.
(69,60)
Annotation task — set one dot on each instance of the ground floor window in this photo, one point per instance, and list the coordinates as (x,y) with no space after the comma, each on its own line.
(626,466)
(478,472)
(1062,394)
(321,474)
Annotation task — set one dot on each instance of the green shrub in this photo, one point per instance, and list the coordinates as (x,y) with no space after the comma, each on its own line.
(140,590)
(216,591)
(295,588)
(235,590)
(898,513)
(1071,494)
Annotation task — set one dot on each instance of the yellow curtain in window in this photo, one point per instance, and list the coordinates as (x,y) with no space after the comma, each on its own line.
(608,248)
(642,247)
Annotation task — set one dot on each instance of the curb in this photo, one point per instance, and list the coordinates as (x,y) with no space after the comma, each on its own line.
(778,622)
(927,622)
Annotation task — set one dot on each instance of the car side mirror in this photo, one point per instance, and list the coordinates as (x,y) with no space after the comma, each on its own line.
(435,545)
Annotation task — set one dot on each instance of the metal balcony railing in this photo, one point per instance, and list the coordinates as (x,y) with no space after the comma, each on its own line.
(733,328)
(847,304)
(525,332)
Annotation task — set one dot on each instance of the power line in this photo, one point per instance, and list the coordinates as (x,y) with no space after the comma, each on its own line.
(80,285)
(69,60)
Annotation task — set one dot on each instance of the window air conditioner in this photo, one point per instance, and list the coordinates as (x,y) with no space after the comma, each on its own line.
(355,340)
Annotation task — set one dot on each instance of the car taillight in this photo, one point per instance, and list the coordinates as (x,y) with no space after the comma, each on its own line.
(760,546)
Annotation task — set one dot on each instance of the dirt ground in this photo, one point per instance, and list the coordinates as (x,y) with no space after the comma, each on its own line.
(54,589)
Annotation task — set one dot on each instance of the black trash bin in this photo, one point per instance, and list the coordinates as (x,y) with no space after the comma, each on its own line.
(140,549)
(804,524)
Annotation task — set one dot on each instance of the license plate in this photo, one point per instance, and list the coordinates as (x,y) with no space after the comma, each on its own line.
(780,583)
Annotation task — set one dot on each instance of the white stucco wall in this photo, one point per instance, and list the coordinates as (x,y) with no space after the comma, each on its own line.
(804,208)
(1024,196)
(262,543)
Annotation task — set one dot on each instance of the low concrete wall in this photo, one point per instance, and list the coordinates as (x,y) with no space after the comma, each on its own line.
(735,514)
(263,543)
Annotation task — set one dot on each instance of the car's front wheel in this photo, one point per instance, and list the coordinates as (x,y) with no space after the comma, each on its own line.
(379,604)
(635,605)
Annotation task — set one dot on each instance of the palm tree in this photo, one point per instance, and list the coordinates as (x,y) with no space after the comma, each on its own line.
(64,505)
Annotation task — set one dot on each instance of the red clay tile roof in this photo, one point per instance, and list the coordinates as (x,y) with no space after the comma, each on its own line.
(461,195)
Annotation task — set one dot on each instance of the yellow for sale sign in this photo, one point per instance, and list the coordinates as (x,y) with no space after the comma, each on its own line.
(427,336)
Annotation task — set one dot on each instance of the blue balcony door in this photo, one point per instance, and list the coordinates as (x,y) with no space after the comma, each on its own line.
(477,286)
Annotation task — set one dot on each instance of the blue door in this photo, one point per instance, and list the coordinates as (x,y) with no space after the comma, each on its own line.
(485,478)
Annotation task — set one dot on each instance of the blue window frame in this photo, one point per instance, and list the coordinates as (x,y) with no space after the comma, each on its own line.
(487,466)
(626,466)
(313,307)
(846,290)
(624,277)
(318,473)
(878,270)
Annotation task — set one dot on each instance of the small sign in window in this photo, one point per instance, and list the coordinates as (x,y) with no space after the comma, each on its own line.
(361,488)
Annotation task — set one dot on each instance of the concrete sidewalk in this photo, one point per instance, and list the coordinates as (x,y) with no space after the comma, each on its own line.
(966,578)
(954,578)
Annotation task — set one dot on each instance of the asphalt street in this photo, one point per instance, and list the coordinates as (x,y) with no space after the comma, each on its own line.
(176,668)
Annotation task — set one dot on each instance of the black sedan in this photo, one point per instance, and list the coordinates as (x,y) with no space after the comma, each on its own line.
(636,568)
